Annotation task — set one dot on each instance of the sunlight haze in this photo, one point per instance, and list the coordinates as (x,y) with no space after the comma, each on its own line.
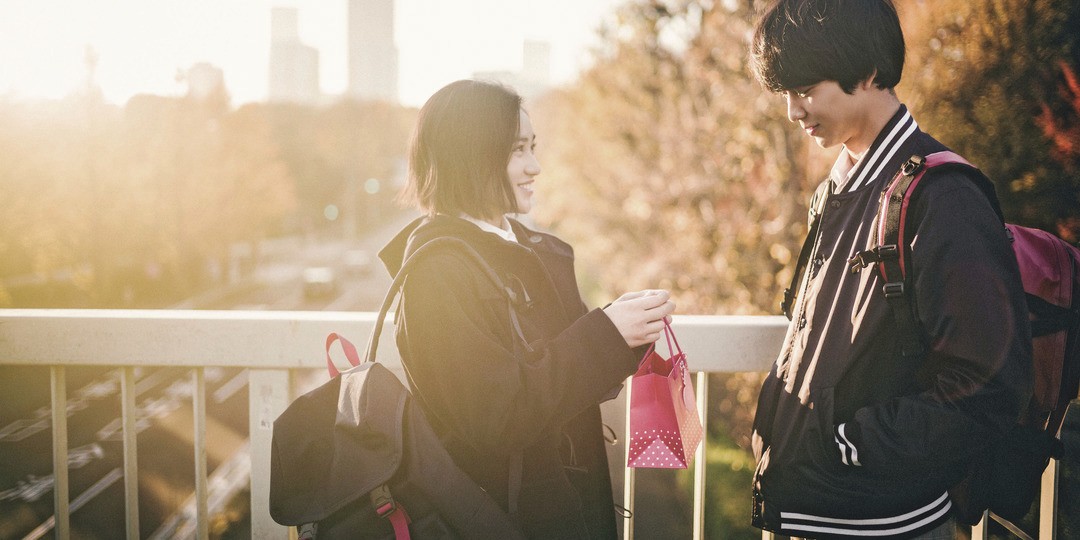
(141,45)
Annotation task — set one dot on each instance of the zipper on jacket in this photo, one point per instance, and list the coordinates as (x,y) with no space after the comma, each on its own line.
(799,320)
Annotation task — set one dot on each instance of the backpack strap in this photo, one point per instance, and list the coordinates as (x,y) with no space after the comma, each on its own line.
(395,287)
(890,254)
(386,507)
(458,245)
(346,346)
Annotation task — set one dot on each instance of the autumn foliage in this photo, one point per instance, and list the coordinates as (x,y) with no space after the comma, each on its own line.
(149,203)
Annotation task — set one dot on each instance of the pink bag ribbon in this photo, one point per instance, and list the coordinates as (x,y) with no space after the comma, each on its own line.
(665,429)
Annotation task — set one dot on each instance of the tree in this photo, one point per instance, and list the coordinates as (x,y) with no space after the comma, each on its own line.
(331,152)
(202,178)
(49,182)
(995,80)
(690,178)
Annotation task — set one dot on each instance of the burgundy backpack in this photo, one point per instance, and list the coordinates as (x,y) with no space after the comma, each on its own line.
(1007,483)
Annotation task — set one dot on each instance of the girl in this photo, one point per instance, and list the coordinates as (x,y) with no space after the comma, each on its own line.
(519,414)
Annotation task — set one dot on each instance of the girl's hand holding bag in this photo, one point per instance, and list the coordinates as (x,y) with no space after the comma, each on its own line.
(665,429)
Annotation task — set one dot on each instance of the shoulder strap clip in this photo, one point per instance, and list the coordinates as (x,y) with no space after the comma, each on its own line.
(876,255)
(912,165)
(383,501)
(893,290)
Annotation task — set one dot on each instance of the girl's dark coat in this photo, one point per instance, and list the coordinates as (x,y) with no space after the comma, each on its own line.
(490,397)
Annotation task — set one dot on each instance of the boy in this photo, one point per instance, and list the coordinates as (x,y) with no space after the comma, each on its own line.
(852,438)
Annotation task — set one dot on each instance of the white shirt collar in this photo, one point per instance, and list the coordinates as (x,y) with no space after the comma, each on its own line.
(506,233)
(841,170)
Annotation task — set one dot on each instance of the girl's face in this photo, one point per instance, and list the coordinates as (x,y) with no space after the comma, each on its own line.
(523,166)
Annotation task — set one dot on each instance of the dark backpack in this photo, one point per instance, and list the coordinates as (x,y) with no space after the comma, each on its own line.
(1006,482)
(357,458)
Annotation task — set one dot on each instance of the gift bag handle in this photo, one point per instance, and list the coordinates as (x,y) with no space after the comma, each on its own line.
(669,334)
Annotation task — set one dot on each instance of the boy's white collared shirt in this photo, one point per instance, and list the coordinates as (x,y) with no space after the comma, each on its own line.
(842,169)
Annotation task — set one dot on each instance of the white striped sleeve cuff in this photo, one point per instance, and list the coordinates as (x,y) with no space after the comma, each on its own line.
(848,453)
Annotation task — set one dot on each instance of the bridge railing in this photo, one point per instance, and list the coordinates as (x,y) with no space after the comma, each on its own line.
(276,348)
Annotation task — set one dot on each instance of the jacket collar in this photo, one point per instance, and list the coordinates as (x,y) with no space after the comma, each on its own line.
(884,155)
(426,228)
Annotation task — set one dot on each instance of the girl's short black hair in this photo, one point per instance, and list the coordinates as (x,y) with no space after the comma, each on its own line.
(460,149)
(799,43)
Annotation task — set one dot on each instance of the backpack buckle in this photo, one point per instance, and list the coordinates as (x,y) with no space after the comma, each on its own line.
(893,290)
(383,501)
(860,260)
(912,165)
(863,259)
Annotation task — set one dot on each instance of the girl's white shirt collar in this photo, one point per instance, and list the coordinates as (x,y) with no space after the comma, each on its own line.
(505,232)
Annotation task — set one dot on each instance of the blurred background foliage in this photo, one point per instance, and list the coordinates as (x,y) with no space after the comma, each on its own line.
(665,165)
(680,171)
(146,204)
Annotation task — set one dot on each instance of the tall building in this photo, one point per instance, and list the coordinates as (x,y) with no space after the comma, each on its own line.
(536,62)
(373,57)
(534,79)
(294,67)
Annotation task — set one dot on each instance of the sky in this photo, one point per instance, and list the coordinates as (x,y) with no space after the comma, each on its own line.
(142,44)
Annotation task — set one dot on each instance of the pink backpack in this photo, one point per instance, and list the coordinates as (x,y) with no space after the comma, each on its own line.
(1050,270)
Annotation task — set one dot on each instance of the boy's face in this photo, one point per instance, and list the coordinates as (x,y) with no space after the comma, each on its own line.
(832,116)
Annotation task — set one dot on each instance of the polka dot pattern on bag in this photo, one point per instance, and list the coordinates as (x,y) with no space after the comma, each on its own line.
(659,449)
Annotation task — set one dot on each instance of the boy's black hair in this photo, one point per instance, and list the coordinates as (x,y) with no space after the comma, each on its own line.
(799,43)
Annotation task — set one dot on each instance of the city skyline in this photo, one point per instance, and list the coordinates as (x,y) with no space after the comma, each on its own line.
(142,47)
(372,50)
(294,66)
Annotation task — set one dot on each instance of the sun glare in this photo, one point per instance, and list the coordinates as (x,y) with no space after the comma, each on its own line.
(49,47)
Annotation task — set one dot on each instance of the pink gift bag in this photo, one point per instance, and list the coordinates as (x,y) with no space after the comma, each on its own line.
(665,429)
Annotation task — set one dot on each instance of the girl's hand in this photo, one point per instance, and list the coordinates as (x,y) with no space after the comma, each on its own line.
(639,316)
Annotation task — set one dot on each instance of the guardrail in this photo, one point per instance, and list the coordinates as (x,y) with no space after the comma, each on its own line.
(274,347)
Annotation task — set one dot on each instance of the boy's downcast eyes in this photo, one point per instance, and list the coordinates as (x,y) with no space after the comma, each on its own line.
(802,91)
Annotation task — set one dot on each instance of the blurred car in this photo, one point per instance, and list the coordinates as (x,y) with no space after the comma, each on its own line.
(357,262)
(319,281)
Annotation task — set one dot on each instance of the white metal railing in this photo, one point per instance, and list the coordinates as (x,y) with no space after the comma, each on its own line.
(273,346)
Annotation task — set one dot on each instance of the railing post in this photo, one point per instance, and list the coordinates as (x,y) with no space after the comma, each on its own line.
(629,473)
(701,462)
(979,530)
(269,393)
(61,513)
(198,403)
(128,415)
(1048,502)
